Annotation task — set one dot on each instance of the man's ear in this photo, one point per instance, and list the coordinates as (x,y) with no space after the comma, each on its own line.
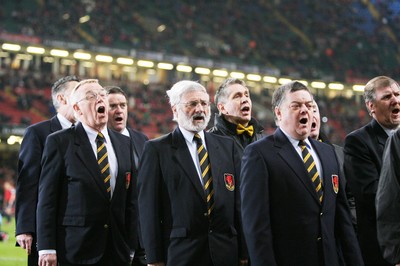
(221,108)
(174,111)
(76,107)
(61,99)
(278,113)
(371,107)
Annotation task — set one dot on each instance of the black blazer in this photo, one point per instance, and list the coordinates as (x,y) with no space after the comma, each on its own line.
(283,221)
(75,215)
(29,169)
(363,151)
(137,140)
(173,208)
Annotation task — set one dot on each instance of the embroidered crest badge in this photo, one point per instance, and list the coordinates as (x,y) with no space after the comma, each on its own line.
(229,181)
(127,179)
(335,183)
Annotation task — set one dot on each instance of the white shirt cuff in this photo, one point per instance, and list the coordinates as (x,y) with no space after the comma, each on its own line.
(47,251)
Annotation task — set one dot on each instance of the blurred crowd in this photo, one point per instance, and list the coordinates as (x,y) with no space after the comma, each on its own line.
(340,40)
(29,94)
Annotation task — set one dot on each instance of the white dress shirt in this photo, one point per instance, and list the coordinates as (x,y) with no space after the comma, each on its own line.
(112,159)
(295,144)
(192,146)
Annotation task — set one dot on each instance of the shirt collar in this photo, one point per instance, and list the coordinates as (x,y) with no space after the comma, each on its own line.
(92,134)
(388,131)
(65,123)
(295,142)
(125,132)
(188,135)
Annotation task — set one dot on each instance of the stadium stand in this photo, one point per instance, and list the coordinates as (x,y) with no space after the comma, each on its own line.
(340,40)
(334,40)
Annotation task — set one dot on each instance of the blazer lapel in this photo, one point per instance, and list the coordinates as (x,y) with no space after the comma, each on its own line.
(182,156)
(121,158)
(294,162)
(380,133)
(85,153)
(136,147)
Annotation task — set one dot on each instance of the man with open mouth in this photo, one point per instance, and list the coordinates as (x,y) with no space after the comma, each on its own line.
(86,201)
(189,201)
(363,151)
(234,114)
(294,208)
(118,121)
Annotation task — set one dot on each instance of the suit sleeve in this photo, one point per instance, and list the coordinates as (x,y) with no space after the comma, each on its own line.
(150,207)
(388,202)
(344,228)
(254,191)
(131,211)
(27,184)
(49,183)
(243,254)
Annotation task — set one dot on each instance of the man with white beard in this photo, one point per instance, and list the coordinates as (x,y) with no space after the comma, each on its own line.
(188,182)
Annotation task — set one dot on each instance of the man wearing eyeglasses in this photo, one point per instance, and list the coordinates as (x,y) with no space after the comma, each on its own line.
(294,206)
(86,207)
(189,201)
(234,114)
(29,164)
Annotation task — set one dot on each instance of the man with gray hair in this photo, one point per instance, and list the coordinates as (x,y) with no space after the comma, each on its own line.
(29,167)
(234,114)
(189,201)
(363,151)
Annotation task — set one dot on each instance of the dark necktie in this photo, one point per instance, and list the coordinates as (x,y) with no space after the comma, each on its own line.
(240,129)
(205,173)
(311,169)
(102,160)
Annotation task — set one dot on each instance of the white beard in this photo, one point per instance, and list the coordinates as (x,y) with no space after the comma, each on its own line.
(188,122)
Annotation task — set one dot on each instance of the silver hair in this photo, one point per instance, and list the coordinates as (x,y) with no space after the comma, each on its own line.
(180,88)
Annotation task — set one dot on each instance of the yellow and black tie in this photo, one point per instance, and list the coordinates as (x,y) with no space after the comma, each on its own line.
(311,169)
(102,160)
(205,173)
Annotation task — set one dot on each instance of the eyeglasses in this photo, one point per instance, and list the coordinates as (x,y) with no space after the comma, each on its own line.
(92,96)
(193,104)
(295,106)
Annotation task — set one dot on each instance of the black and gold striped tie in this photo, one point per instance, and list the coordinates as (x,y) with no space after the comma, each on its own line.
(102,160)
(311,169)
(205,173)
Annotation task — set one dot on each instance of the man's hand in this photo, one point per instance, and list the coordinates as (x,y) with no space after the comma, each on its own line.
(25,242)
(48,260)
